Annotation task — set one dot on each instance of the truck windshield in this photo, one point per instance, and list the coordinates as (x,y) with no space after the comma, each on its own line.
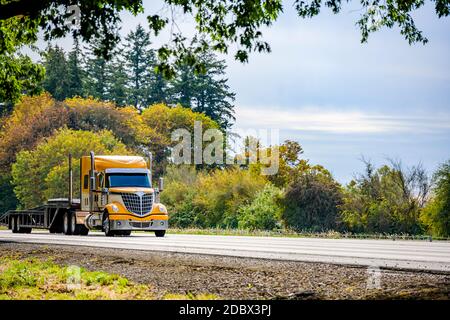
(128,180)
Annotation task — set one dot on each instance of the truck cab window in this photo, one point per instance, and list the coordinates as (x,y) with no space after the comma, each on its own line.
(86,182)
(127,180)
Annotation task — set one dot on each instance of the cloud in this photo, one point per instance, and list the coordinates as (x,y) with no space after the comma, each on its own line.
(316,119)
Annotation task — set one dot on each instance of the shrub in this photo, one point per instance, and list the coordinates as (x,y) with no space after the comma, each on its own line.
(212,199)
(436,215)
(264,212)
(311,202)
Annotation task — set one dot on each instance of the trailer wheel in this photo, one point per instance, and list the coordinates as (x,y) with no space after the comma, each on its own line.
(160,233)
(66,223)
(25,230)
(14,227)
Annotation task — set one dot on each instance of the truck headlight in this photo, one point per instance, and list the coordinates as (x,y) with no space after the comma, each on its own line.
(115,208)
(162,208)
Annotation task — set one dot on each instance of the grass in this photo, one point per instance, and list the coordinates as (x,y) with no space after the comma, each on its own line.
(294,234)
(33,279)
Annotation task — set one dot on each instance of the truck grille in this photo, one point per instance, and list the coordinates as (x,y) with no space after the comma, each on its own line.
(137,203)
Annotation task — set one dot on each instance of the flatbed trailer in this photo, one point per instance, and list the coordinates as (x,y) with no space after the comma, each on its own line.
(48,216)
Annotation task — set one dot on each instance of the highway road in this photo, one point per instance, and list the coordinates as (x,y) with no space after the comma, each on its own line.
(416,255)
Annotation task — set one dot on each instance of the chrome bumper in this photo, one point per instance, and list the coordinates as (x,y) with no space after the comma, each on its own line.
(150,225)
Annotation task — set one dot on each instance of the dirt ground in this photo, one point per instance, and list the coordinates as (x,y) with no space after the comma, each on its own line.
(240,278)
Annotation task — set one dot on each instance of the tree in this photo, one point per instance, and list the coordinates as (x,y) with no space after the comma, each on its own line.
(206,92)
(436,215)
(96,74)
(139,62)
(56,76)
(41,173)
(219,24)
(311,202)
(388,199)
(160,121)
(18,75)
(116,81)
(75,72)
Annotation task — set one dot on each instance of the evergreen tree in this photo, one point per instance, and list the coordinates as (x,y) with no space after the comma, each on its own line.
(75,72)
(55,81)
(206,92)
(117,81)
(96,73)
(139,62)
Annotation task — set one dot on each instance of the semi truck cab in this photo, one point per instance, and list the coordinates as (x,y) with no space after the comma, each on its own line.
(118,196)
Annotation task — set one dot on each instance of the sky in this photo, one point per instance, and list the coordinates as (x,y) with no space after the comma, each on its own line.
(340,99)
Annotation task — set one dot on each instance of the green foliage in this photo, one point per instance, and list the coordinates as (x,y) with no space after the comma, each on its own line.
(55,80)
(386,200)
(311,202)
(264,212)
(41,173)
(206,92)
(18,75)
(209,199)
(8,200)
(436,215)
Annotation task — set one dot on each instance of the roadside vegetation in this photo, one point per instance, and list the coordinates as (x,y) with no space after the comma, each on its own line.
(34,279)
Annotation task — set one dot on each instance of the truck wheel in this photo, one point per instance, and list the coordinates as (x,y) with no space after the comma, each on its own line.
(73,223)
(107,226)
(81,230)
(160,233)
(66,223)
(14,227)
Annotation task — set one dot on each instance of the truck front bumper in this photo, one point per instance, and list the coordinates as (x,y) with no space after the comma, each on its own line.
(149,225)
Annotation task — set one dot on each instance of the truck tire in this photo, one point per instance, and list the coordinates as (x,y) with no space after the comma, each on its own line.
(66,223)
(107,226)
(14,226)
(81,230)
(160,233)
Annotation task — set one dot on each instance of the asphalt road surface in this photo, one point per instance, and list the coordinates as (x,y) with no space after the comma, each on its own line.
(414,255)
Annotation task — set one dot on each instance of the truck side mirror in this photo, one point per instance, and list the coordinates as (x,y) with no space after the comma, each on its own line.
(161,184)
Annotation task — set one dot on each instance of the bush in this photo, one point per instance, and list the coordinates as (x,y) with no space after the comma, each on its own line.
(311,202)
(42,173)
(386,200)
(209,199)
(436,215)
(264,212)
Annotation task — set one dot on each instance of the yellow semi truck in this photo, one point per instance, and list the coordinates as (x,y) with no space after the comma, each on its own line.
(117,196)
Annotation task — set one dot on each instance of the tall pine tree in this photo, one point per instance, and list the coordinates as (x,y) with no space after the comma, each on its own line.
(208,92)
(139,62)
(75,72)
(96,73)
(55,80)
